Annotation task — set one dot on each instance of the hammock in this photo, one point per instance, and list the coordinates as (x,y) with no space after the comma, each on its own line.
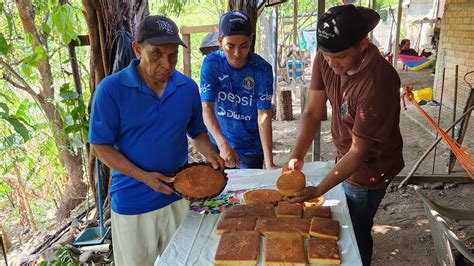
(464,157)
(417,63)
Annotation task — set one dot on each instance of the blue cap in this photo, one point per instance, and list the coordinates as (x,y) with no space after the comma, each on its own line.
(235,23)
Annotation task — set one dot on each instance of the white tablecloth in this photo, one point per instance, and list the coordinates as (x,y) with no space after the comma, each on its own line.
(195,241)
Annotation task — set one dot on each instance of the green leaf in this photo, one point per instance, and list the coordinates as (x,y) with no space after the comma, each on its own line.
(19,128)
(66,93)
(41,126)
(65,87)
(21,112)
(26,70)
(29,38)
(78,112)
(73,128)
(69,95)
(5,108)
(7,97)
(45,27)
(48,148)
(10,140)
(40,53)
(8,16)
(4,48)
(7,169)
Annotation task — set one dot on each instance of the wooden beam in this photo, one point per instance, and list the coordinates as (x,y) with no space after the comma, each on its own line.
(187,54)
(199,29)
(75,68)
(397,36)
(435,178)
(83,41)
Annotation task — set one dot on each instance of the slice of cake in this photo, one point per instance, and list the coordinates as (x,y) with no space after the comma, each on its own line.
(262,196)
(323,251)
(324,228)
(314,202)
(284,249)
(283,225)
(317,211)
(236,224)
(259,210)
(288,210)
(240,248)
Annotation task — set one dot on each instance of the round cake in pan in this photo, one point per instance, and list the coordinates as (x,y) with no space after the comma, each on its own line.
(262,196)
(290,182)
(199,181)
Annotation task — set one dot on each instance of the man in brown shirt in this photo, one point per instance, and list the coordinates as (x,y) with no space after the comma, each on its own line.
(363,89)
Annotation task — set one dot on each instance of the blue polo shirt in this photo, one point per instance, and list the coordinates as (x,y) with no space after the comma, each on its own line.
(148,130)
(238,94)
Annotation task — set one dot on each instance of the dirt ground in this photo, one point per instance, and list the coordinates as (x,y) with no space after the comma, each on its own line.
(401,232)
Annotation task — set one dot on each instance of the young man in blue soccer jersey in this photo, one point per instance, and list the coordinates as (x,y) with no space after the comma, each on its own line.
(236,92)
(140,118)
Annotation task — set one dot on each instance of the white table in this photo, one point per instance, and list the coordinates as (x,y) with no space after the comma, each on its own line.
(195,242)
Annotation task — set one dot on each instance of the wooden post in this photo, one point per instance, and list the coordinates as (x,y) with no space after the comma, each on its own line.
(275,56)
(187,55)
(75,68)
(316,150)
(397,36)
(295,24)
(186,33)
(321,7)
(284,106)
(439,116)
(372,4)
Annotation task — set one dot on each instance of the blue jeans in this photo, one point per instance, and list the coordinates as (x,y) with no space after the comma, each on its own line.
(247,162)
(363,204)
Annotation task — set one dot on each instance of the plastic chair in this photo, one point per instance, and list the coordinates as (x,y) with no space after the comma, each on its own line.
(443,236)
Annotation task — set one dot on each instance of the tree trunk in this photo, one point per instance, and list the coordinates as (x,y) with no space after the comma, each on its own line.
(249,7)
(76,189)
(103,19)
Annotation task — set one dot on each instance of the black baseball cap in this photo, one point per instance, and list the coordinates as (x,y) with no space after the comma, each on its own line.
(235,23)
(158,30)
(343,26)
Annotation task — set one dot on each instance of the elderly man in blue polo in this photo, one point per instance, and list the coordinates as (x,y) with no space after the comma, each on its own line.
(141,117)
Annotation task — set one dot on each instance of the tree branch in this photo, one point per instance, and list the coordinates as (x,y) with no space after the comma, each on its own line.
(23,86)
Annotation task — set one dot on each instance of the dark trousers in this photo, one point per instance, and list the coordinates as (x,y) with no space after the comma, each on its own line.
(247,162)
(363,204)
